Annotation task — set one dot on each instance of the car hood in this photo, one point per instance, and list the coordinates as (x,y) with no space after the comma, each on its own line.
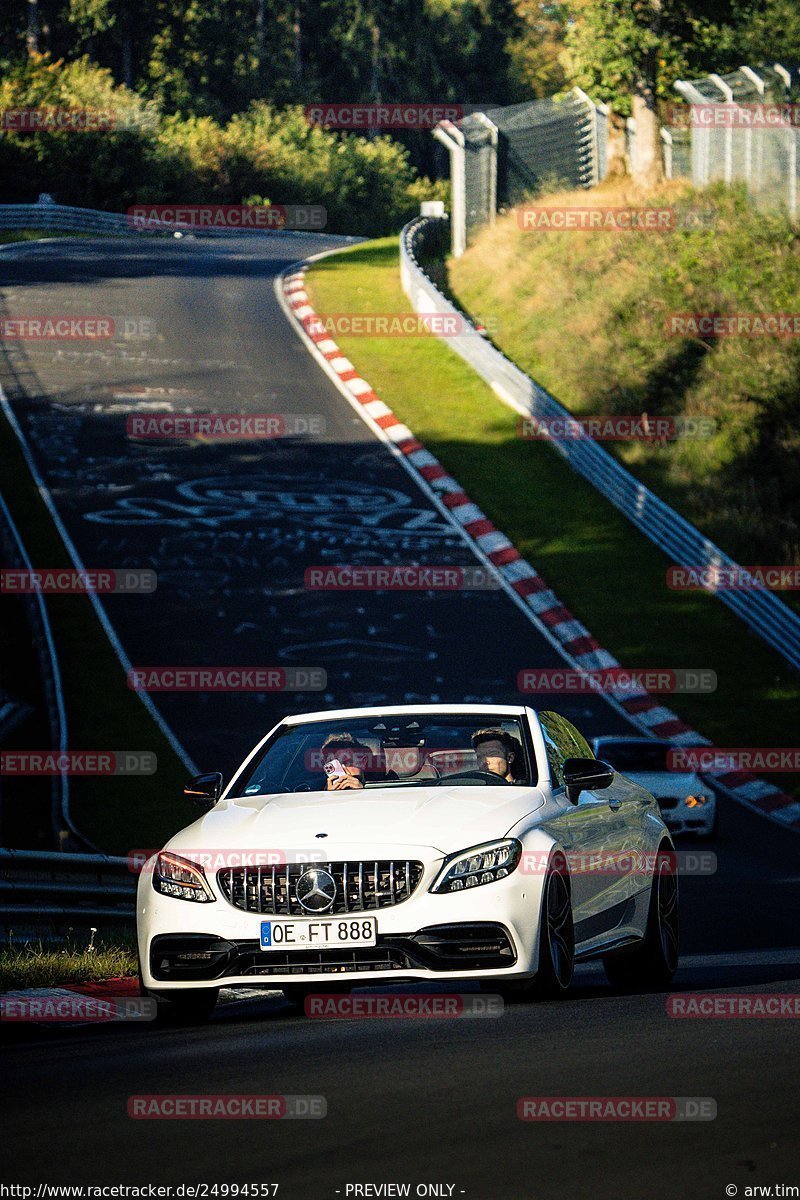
(443,818)
(669,783)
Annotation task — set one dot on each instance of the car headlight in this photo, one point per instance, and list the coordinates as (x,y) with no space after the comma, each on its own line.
(696,801)
(181,879)
(480,864)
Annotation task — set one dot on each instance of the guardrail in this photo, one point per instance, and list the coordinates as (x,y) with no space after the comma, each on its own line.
(44,888)
(64,218)
(61,218)
(758,607)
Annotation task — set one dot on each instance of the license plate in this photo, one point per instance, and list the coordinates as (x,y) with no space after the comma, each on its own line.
(333,931)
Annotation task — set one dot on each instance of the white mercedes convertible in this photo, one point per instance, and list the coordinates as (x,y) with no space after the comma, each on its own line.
(366,847)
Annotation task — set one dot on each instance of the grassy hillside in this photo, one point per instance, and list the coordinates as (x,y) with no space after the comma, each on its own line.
(586,314)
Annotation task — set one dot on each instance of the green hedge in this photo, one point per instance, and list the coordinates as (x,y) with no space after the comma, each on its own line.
(367,185)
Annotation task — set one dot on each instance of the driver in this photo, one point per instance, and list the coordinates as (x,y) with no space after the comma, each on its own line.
(350,754)
(499,753)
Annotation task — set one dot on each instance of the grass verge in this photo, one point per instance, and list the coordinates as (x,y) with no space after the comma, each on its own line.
(35,965)
(602,568)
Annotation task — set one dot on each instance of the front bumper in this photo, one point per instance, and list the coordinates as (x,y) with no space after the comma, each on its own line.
(194,957)
(489,931)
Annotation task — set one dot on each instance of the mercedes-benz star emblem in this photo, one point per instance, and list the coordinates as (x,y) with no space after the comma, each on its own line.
(316,890)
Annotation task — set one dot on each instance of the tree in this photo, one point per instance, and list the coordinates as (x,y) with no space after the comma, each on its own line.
(535,49)
(630,52)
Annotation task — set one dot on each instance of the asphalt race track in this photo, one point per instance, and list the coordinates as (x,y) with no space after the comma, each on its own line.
(230,529)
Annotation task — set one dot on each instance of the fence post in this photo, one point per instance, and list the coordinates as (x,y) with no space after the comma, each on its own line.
(701,138)
(760,87)
(727,92)
(630,138)
(452,139)
(493,131)
(779,69)
(595,146)
(666,138)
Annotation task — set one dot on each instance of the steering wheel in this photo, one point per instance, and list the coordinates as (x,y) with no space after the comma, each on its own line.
(487,777)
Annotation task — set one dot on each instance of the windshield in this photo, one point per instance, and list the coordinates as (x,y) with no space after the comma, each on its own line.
(636,756)
(397,750)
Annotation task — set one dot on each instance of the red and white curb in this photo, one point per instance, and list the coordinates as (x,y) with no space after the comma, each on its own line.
(551,617)
(72,1005)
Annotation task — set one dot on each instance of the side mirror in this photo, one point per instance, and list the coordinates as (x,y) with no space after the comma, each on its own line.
(586,775)
(204,790)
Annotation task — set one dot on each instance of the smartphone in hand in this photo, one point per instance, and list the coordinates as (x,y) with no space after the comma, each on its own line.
(334,769)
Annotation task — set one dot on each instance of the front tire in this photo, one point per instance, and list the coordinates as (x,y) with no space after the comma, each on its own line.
(556,943)
(556,937)
(654,962)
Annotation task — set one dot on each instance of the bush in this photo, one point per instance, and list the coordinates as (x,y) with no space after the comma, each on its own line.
(367,185)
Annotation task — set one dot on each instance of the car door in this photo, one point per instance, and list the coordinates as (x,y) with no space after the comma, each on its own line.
(635,864)
(591,831)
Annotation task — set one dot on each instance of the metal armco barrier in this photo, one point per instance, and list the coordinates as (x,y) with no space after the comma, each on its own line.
(63,218)
(57,218)
(43,888)
(759,608)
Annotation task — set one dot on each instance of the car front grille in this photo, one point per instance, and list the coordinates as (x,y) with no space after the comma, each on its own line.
(360,886)
(668,801)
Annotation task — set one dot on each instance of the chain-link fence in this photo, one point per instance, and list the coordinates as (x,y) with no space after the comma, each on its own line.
(501,156)
(745,127)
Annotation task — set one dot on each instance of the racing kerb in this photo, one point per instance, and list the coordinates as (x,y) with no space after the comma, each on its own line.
(538,600)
